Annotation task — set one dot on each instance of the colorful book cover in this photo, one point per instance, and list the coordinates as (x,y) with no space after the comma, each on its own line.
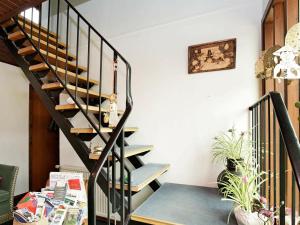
(72,216)
(74,184)
(59,217)
(29,202)
(49,207)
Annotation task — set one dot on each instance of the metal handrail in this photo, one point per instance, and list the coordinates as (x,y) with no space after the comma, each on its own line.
(286,143)
(118,132)
(290,138)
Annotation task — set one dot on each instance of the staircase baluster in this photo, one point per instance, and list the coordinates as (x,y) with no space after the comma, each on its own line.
(57,31)
(31,22)
(115,73)
(77,49)
(264,148)
(88,70)
(252,134)
(293,199)
(274,160)
(114,208)
(67,43)
(257,136)
(260,128)
(122,182)
(282,179)
(48,27)
(100,83)
(129,192)
(24,18)
(269,152)
(108,192)
(263,145)
(40,22)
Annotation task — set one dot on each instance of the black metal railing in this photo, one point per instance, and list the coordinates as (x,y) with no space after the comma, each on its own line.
(55,16)
(277,153)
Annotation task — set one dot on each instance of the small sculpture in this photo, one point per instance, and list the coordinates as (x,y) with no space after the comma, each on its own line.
(292,38)
(265,64)
(113,111)
(287,67)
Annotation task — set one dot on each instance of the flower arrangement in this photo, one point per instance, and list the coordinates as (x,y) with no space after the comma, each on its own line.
(250,208)
(243,190)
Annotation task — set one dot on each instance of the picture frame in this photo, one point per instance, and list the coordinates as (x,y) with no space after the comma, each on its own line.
(212,56)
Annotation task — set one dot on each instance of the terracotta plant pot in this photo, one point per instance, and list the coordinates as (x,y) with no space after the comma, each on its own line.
(245,218)
(230,168)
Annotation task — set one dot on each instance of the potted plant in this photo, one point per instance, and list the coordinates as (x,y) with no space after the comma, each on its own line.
(231,148)
(249,208)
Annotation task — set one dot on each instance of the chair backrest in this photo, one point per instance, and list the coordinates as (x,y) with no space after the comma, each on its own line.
(9,174)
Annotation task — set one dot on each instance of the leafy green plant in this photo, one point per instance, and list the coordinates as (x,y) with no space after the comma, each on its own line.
(244,190)
(231,145)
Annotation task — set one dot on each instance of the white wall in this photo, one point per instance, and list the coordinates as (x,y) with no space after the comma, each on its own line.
(14,122)
(265,3)
(177,112)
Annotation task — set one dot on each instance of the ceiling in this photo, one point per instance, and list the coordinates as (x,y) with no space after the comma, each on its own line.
(9,8)
(116,17)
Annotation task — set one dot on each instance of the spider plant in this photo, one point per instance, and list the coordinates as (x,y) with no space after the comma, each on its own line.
(244,190)
(230,145)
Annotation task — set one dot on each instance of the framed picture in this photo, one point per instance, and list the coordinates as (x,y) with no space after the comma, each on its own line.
(213,56)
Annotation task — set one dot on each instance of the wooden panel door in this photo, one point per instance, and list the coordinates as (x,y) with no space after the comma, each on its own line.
(43,143)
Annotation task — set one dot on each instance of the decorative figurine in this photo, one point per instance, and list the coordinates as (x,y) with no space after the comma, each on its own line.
(265,64)
(113,111)
(286,67)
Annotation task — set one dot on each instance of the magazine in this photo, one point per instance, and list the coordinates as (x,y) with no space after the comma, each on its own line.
(64,202)
(59,217)
(74,182)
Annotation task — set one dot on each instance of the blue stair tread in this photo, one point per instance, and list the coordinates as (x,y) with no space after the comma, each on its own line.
(184,204)
(144,175)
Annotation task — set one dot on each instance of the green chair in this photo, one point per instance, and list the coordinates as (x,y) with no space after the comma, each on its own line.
(7,189)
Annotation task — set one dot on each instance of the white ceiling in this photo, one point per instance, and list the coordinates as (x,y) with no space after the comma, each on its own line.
(115,17)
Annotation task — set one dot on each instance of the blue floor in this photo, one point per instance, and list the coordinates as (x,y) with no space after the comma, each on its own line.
(185,204)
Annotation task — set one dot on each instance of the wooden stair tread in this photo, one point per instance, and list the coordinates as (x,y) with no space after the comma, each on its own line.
(11,22)
(128,151)
(80,91)
(18,35)
(35,25)
(75,130)
(61,62)
(7,23)
(144,175)
(174,204)
(71,77)
(43,44)
(52,40)
(92,109)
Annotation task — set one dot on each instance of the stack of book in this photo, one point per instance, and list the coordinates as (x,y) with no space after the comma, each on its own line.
(64,202)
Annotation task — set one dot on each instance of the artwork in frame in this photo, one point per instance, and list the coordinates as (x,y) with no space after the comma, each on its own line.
(213,56)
